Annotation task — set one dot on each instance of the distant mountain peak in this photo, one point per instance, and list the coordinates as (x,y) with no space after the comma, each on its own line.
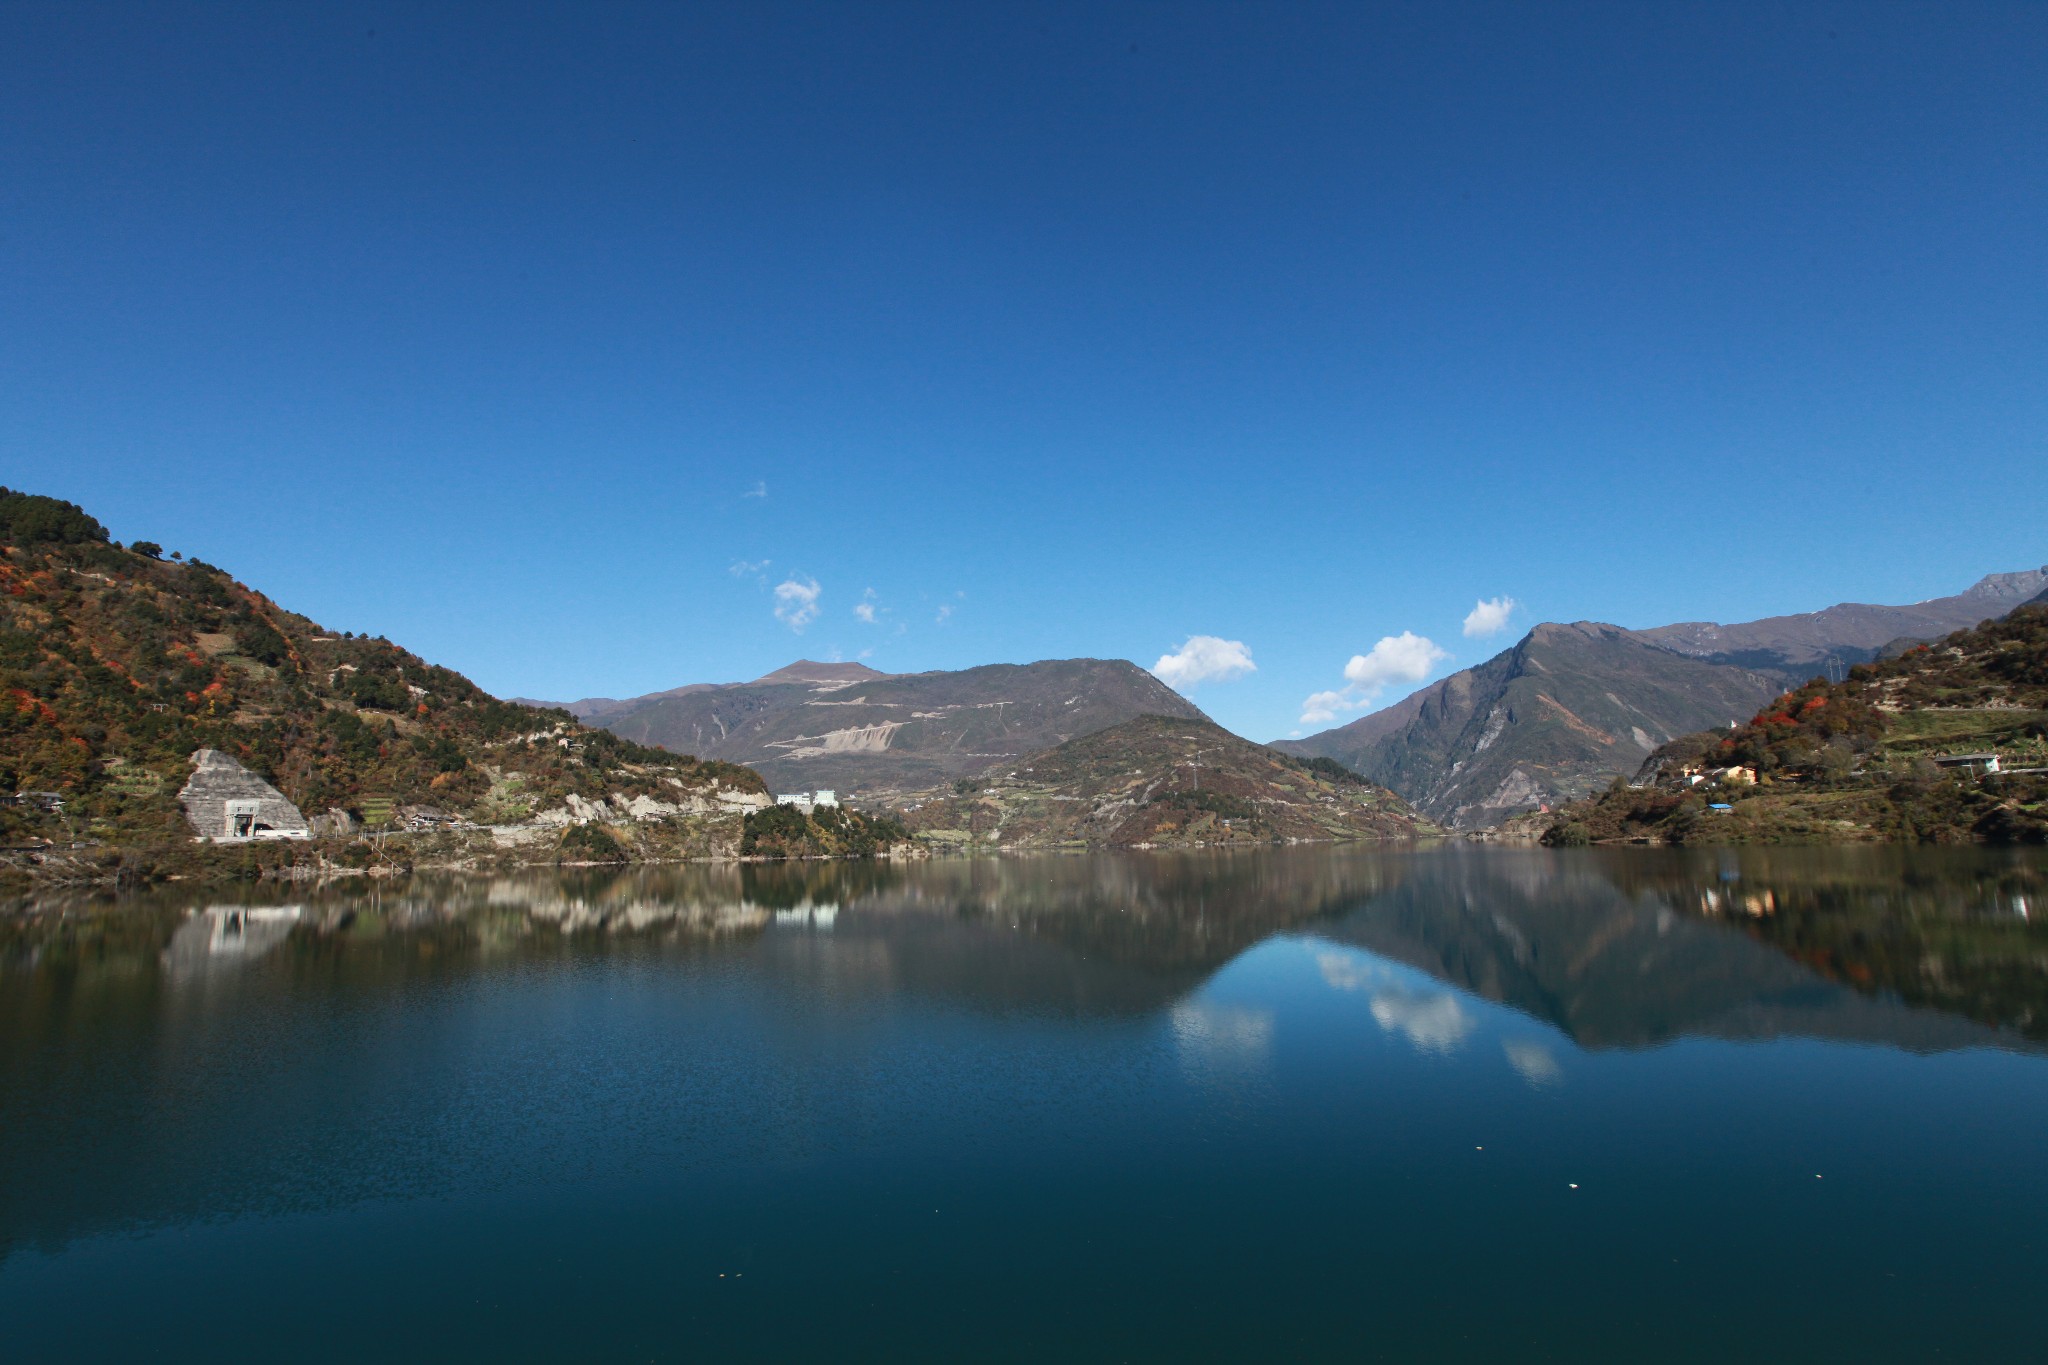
(813,671)
(850,728)
(2010,587)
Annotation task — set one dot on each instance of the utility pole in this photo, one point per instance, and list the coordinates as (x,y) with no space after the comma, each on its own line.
(1196,764)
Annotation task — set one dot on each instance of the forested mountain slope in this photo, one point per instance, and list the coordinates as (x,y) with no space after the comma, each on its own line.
(117,665)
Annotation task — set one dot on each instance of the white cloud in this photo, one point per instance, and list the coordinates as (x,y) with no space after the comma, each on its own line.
(944,612)
(1204,658)
(1489,616)
(865,609)
(1404,658)
(749,568)
(1322,707)
(759,490)
(796,602)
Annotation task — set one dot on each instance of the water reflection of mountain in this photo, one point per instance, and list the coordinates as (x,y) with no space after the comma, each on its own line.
(1955,929)
(1104,934)
(1638,948)
(162,1061)
(1917,948)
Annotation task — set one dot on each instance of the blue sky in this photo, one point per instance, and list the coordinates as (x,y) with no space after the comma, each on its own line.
(553,341)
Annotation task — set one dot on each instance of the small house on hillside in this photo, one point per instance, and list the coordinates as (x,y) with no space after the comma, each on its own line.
(1975,765)
(227,803)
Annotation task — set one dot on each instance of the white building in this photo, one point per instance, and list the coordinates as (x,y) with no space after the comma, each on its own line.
(228,804)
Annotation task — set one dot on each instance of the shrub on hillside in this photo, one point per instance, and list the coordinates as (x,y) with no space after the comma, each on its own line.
(31,519)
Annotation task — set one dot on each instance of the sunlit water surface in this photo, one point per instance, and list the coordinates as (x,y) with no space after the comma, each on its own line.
(1456,1104)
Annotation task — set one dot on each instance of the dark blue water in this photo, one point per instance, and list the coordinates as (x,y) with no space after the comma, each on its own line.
(1451,1105)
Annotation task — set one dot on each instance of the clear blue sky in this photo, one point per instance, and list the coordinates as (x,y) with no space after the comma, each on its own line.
(1063,330)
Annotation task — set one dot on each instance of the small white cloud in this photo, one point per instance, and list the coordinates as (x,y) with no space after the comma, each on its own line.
(749,568)
(944,612)
(1204,658)
(1489,616)
(1403,658)
(759,490)
(796,602)
(1322,707)
(865,609)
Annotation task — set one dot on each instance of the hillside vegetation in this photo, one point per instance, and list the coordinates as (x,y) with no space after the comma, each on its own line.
(116,664)
(1854,760)
(1164,781)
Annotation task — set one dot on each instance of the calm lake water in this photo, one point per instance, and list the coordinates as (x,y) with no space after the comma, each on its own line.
(1455,1104)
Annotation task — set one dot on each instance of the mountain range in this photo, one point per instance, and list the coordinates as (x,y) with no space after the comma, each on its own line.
(1827,643)
(1570,707)
(1557,715)
(123,664)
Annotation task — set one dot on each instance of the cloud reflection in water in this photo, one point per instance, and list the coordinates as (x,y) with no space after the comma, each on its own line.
(1435,1022)
(1537,1065)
